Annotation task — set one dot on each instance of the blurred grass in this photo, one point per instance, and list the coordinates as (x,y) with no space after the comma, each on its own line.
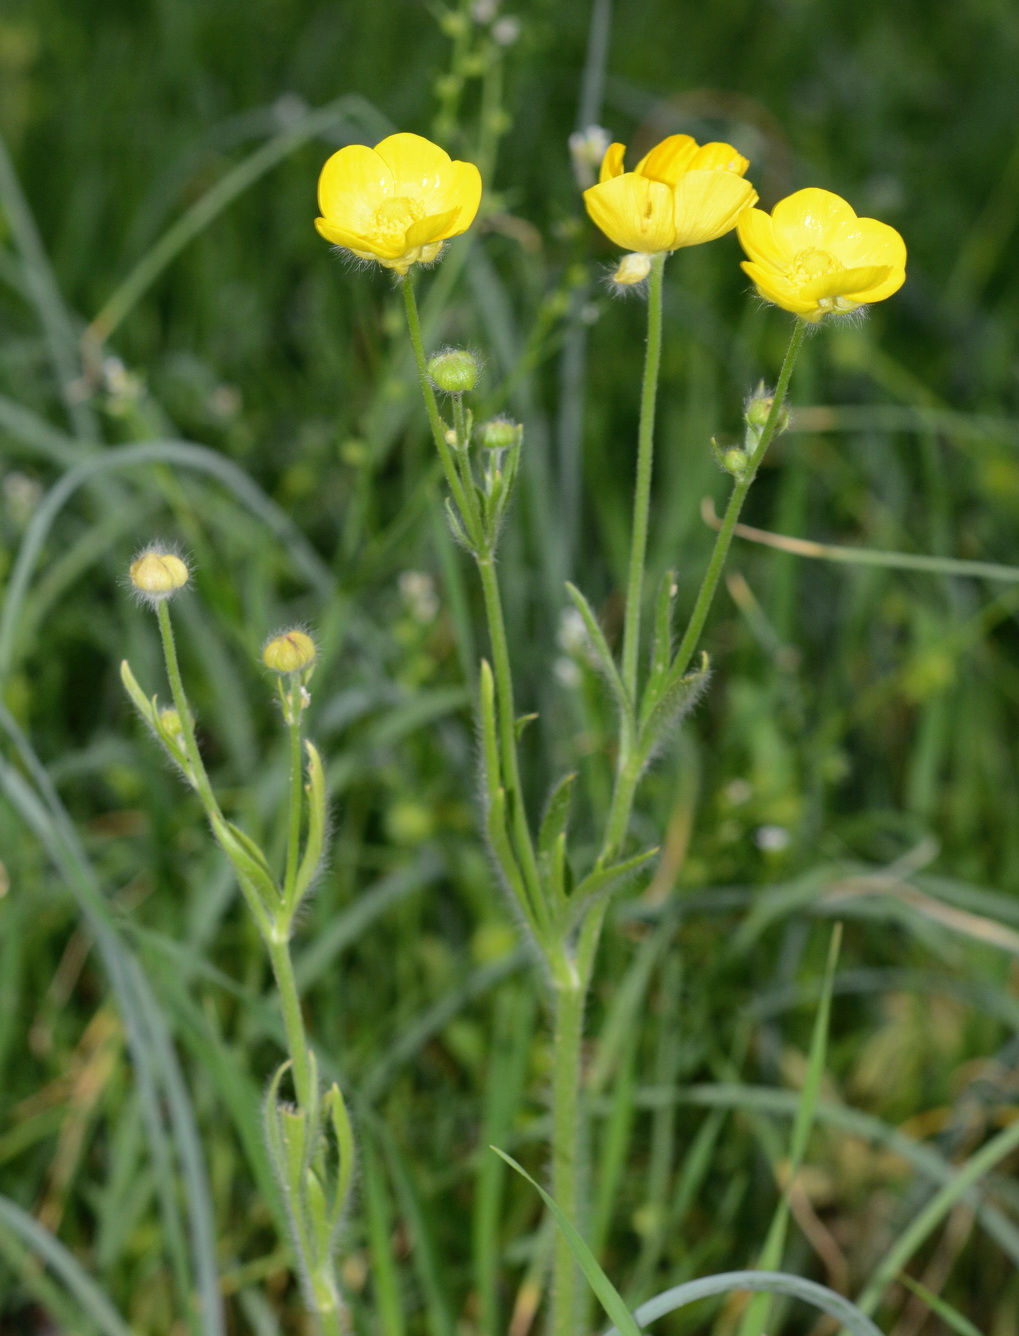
(855,756)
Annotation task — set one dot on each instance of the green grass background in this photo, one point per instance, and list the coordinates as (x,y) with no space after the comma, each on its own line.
(868,714)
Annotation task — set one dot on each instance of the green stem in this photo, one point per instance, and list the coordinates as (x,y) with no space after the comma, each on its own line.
(467,504)
(503,674)
(465,500)
(706,594)
(567,1154)
(184,711)
(642,491)
(278,943)
(293,707)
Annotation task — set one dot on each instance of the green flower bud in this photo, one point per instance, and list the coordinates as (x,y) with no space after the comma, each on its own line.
(758,410)
(734,461)
(500,434)
(169,723)
(454,371)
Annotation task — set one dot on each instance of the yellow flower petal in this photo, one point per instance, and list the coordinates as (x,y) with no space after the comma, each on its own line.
(419,167)
(807,217)
(463,190)
(720,157)
(340,236)
(353,182)
(634,212)
(774,288)
(846,283)
(708,204)
(866,241)
(436,228)
(757,237)
(668,160)
(612,163)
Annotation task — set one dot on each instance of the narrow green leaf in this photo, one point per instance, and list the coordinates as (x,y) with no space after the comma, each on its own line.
(600,645)
(756,1313)
(608,1296)
(521,722)
(661,641)
(76,1280)
(605,880)
(941,1308)
(557,814)
(663,709)
(318,816)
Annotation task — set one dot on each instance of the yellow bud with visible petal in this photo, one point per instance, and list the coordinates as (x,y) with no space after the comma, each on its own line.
(157,574)
(814,257)
(633,268)
(396,203)
(291,652)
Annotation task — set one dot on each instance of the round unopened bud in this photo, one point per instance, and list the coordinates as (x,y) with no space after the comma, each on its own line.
(169,723)
(290,652)
(734,461)
(758,410)
(633,268)
(157,574)
(500,434)
(454,371)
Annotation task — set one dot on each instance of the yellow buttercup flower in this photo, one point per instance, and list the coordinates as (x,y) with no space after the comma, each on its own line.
(812,255)
(398,202)
(679,194)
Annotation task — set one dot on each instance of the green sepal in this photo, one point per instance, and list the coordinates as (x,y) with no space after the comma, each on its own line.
(601,650)
(607,880)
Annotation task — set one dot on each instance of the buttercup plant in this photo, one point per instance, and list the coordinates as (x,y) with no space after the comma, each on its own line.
(398,204)
(812,257)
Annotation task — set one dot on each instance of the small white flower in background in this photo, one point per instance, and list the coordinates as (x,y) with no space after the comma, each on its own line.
(418,591)
(587,150)
(506,31)
(772,839)
(566,672)
(22,495)
(738,791)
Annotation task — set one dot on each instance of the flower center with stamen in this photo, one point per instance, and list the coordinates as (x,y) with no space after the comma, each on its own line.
(812,264)
(393,218)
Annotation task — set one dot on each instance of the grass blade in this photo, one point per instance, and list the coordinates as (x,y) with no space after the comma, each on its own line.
(609,1297)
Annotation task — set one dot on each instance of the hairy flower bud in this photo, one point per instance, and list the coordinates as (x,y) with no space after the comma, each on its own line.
(454,371)
(633,268)
(157,574)
(291,652)
(500,434)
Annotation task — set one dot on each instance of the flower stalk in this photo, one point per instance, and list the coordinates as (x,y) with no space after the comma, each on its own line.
(310,1141)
